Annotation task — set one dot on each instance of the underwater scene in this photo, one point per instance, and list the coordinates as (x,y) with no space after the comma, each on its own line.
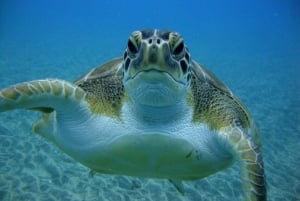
(253,46)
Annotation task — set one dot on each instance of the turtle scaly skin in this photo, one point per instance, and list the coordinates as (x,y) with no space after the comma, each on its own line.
(154,113)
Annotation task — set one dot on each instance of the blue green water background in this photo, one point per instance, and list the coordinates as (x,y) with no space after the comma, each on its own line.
(253,46)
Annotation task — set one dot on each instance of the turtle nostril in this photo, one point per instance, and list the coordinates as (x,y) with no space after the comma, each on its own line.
(154,40)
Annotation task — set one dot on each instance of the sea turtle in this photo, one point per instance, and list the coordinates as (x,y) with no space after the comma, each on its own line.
(154,112)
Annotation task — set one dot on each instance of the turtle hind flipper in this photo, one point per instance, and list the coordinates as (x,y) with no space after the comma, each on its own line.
(253,176)
(252,167)
(42,95)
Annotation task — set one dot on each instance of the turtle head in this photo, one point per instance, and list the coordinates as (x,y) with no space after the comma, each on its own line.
(156,67)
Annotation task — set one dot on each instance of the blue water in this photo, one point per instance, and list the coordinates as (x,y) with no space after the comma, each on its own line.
(253,46)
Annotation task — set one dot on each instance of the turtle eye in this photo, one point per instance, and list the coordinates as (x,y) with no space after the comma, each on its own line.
(176,44)
(134,42)
(132,47)
(178,49)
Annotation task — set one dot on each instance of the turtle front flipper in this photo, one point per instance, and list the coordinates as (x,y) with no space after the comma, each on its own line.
(247,146)
(44,95)
(52,97)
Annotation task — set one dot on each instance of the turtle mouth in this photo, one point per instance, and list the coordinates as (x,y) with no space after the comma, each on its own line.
(154,76)
(154,87)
